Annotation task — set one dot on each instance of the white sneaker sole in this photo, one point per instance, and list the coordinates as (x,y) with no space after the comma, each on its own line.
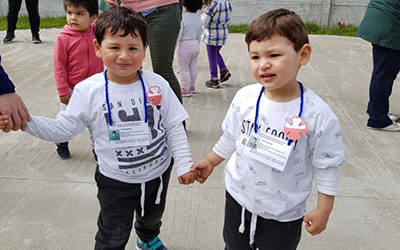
(395,127)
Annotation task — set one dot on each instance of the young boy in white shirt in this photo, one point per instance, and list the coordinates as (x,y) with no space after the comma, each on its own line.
(139,106)
(298,141)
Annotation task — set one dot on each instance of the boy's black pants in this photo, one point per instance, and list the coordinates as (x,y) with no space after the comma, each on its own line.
(270,234)
(118,203)
(14,7)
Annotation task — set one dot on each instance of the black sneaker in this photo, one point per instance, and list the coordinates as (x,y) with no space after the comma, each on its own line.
(63,151)
(224,75)
(212,84)
(9,38)
(36,39)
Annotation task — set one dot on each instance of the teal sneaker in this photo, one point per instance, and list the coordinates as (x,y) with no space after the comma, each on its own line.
(154,244)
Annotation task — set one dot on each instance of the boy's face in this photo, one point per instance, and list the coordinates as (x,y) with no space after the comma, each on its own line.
(122,56)
(274,64)
(78,18)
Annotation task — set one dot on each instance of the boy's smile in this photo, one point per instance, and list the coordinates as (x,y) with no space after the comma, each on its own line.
(122,56)
(78,18)
(274,64)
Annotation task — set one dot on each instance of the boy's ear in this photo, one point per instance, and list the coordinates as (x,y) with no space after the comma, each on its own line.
(93,18)
(145,48)
(97,48)
(305,54)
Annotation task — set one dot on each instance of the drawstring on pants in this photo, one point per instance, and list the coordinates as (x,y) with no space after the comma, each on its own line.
(253,225)
(143,195)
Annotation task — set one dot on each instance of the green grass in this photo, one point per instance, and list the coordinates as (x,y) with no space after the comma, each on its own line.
(59,22)
(45,22)
(348,30)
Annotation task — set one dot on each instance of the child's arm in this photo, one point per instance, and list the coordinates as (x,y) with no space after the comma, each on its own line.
(178,40)
(205,19)
(327,157)
(68,123)
(206,166)
(60,70)
(317,219)
(178,143)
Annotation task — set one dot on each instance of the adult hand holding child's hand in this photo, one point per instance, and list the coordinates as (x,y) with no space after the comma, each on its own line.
(18,115)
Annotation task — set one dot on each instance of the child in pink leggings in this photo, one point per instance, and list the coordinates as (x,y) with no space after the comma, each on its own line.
(189,46)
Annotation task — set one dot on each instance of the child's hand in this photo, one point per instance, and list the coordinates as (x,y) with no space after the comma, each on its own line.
(187,178)
(3,121)
(316,221)
(65,99)
(204,169)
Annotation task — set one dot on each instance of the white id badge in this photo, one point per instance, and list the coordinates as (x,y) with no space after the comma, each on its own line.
(267,149)
(129,134)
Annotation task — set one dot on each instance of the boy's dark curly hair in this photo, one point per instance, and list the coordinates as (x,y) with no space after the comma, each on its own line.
(123,19)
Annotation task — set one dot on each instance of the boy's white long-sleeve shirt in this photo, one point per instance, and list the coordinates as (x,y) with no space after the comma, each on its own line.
(268,192)
(130,164)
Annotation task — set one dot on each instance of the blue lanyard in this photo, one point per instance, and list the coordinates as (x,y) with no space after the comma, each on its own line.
(110,121)
(258,107)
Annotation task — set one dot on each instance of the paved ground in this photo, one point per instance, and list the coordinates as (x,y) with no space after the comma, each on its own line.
(49,204)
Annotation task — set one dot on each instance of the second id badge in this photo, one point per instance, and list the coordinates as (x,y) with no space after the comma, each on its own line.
(129,134)
(267,149)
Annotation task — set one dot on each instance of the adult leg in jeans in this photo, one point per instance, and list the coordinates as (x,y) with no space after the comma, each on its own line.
(162,33)
(12,17)
(386,68)
(33,12)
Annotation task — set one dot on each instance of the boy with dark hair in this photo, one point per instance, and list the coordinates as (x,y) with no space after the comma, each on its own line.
(74,57)
(299,140)
(133,172)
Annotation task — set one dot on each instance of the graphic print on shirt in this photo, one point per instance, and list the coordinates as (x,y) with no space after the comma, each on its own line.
(133,160)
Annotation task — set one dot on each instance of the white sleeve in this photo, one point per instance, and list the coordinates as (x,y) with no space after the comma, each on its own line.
(205,19)
(178,143)
(227,142)
(180,34)
(68,123)
(328,156)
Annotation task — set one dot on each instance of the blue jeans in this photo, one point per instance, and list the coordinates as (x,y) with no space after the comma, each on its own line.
(386,68)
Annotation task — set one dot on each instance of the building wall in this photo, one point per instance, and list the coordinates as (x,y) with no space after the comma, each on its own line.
(322,12)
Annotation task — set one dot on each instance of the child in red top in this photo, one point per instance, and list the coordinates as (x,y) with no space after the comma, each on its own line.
(74,55)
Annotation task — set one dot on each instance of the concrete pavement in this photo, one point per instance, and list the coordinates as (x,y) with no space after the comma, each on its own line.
(49,204)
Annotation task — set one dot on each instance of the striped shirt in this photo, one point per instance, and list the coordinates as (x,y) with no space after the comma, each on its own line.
(216,31)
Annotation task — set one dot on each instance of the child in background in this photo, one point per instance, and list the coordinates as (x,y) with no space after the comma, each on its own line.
(267,186)
(216,19)
(74,56)
(189,46)
(133,169)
